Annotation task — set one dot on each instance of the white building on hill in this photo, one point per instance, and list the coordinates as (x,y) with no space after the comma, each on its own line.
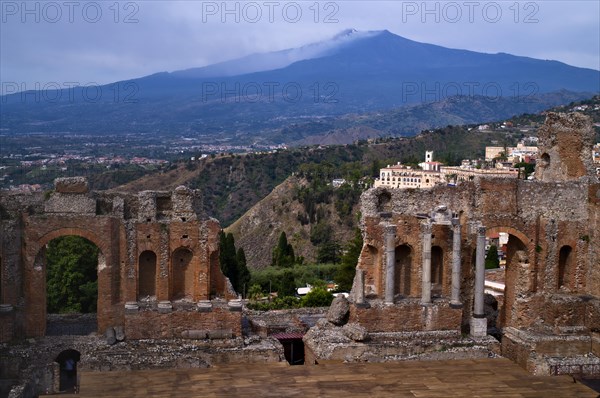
(431,173)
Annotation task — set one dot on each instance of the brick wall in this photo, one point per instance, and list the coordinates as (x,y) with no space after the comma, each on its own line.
(407,316)
(153,324)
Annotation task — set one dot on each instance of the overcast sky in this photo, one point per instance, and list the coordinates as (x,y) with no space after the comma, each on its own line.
(68,41)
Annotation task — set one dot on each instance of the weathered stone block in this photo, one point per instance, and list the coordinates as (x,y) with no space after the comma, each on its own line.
(70,203)
(71,185)
(110,336)
(119,333)
(355,332)
(195,334)
(478,327)
(338,311)
(220,334)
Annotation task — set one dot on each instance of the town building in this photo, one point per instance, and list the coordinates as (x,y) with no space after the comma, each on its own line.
(520,153)
(433,173)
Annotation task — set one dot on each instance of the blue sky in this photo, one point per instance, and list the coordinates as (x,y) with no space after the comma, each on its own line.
(83,42)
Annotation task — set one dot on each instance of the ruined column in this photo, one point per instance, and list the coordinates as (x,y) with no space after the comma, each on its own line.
(360,287)
(478,321)
(456,259)
(426,288)
(390,256)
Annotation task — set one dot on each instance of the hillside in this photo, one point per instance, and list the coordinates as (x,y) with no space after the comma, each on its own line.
(233,184)
(258,230)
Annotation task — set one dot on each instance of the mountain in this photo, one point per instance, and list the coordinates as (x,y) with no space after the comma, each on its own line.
(252,99)
(412,119)
(275,60)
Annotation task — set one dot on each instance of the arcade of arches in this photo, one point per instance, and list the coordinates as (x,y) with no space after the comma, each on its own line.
(156,259)
(422,266)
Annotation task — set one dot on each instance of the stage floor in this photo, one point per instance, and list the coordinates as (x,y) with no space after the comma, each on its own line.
(462,378)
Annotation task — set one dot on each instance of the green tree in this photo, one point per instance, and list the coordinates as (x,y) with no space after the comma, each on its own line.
(317,297)
(255,292)
(320,233)
(345,274)
(328,252)
(243,274)
(228,258)
(283,253)
(528,168)
(287,285)
(491,259)
(72,276)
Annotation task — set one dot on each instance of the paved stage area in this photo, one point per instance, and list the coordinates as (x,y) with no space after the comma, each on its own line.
(463,378)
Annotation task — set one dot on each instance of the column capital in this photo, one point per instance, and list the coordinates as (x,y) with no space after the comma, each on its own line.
(426,226)
(389,229)
(481,230)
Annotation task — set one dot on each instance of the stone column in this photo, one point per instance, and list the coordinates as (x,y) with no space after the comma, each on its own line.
(390,257)
(456,259)
(426,278)
(359,296)
(478,321)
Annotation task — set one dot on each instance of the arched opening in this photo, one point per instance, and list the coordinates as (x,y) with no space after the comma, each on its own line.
(566,263)
(516,257)
(507,276)
(67,361)
(403,270)
(370,260)
(71,274)
(147,275)
(545,160)
(437,270)
(384,202)
(182,272)
(215,271)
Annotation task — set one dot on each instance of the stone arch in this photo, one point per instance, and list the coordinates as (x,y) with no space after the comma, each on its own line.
(517,257)
(182,273)
(384,200)
(404,269)
(511,231)
(437,270)
(566,266)
(147,273)
(545,158)
(370,262)
(35,274)
(67,370)
(518,278)
(84,233)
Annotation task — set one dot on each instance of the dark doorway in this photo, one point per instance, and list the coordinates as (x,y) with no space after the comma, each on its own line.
(293,347)
(67,360)
(437,271)
(403,270)
(147,275)
(566,264)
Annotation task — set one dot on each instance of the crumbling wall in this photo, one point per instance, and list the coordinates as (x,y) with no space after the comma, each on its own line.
(565,148)
(552,275)
(122,226)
